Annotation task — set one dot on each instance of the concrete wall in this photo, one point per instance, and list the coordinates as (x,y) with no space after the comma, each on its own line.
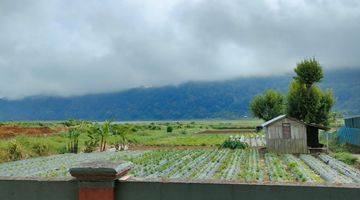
(209,191)
(138,190)
(38,190)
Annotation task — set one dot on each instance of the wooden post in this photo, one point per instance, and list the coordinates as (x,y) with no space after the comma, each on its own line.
(97,179)
(327,142)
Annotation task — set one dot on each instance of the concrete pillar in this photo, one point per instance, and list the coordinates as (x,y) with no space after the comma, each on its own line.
(97,179)
(96,190)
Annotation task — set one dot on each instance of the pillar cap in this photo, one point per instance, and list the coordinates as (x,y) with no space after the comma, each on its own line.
(100,170)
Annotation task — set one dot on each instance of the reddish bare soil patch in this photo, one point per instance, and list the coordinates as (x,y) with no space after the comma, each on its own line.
(228,131)
(9,131)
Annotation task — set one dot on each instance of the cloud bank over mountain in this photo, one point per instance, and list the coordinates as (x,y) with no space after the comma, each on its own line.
(65,47)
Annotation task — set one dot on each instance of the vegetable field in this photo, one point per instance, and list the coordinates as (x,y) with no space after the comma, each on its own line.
(57,166)
(217,164)
(243,166)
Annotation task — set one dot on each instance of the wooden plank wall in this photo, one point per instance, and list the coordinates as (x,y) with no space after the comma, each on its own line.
(276,143)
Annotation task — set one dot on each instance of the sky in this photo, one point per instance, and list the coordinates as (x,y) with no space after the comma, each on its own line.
(76,47)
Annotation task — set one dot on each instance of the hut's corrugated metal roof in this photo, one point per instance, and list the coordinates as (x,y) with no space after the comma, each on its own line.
(285,116)
(352,117)
(273,120)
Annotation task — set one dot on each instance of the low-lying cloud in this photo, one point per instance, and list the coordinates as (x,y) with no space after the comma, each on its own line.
(68,47)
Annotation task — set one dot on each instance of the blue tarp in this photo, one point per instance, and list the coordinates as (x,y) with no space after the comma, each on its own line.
(353,122)
(349,135)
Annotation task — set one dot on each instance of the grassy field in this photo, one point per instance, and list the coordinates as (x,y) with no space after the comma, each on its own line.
(169,150)
(21,140)
(184,133)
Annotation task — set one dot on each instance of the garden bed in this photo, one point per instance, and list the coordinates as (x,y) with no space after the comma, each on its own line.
(244,166)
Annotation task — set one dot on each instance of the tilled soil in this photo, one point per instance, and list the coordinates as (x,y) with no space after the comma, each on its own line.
(9,131)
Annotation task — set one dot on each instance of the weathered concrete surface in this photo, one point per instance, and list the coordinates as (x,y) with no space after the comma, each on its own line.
(38,190)
(100,170)
(136,190)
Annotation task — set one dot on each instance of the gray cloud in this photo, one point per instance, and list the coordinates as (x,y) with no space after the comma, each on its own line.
(71,47)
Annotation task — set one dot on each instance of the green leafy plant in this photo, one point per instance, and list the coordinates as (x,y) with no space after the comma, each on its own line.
(40,149)
(105,131)
(345,157)
(73,137)
(169,129)
(15,151)
(3,156)
(306,101)
(268,106)
(234,143)
(93,138)
(121,143)
(62,149)
(72,122)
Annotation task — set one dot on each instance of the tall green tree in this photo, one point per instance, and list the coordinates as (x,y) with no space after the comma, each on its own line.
(309,72)
(305,100)
(268,105)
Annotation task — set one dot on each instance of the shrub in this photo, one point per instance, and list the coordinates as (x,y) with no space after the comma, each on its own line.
(90,145)
(73,136)
(106,130)
(71,122)
(183,132)
(93,133)
(3,156)
(62,150)
(15,151)
(40,149)
(169,129)
(346,158)
(234,143)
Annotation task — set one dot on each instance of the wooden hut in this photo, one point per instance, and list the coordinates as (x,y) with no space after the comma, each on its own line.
(285,134)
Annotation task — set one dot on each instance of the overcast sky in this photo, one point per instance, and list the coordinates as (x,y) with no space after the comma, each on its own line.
(74,47)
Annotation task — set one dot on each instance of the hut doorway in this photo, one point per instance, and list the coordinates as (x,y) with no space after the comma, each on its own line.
(312,135)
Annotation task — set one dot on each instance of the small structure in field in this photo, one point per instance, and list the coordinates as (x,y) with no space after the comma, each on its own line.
(285,134)
(350,133)
(352,122)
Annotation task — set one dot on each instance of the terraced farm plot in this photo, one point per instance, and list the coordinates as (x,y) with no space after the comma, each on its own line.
(202,164)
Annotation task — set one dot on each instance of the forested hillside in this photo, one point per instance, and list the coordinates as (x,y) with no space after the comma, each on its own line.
(195,100)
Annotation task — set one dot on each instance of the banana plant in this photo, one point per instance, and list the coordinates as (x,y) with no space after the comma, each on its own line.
(105,132)
(93,134)
(123,133)
(73,136)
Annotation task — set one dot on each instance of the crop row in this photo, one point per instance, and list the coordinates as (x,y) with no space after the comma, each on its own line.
(246,166)
(218,164)
(57,166)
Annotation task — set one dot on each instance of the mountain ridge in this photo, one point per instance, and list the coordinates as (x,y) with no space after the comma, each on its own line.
(228,99)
